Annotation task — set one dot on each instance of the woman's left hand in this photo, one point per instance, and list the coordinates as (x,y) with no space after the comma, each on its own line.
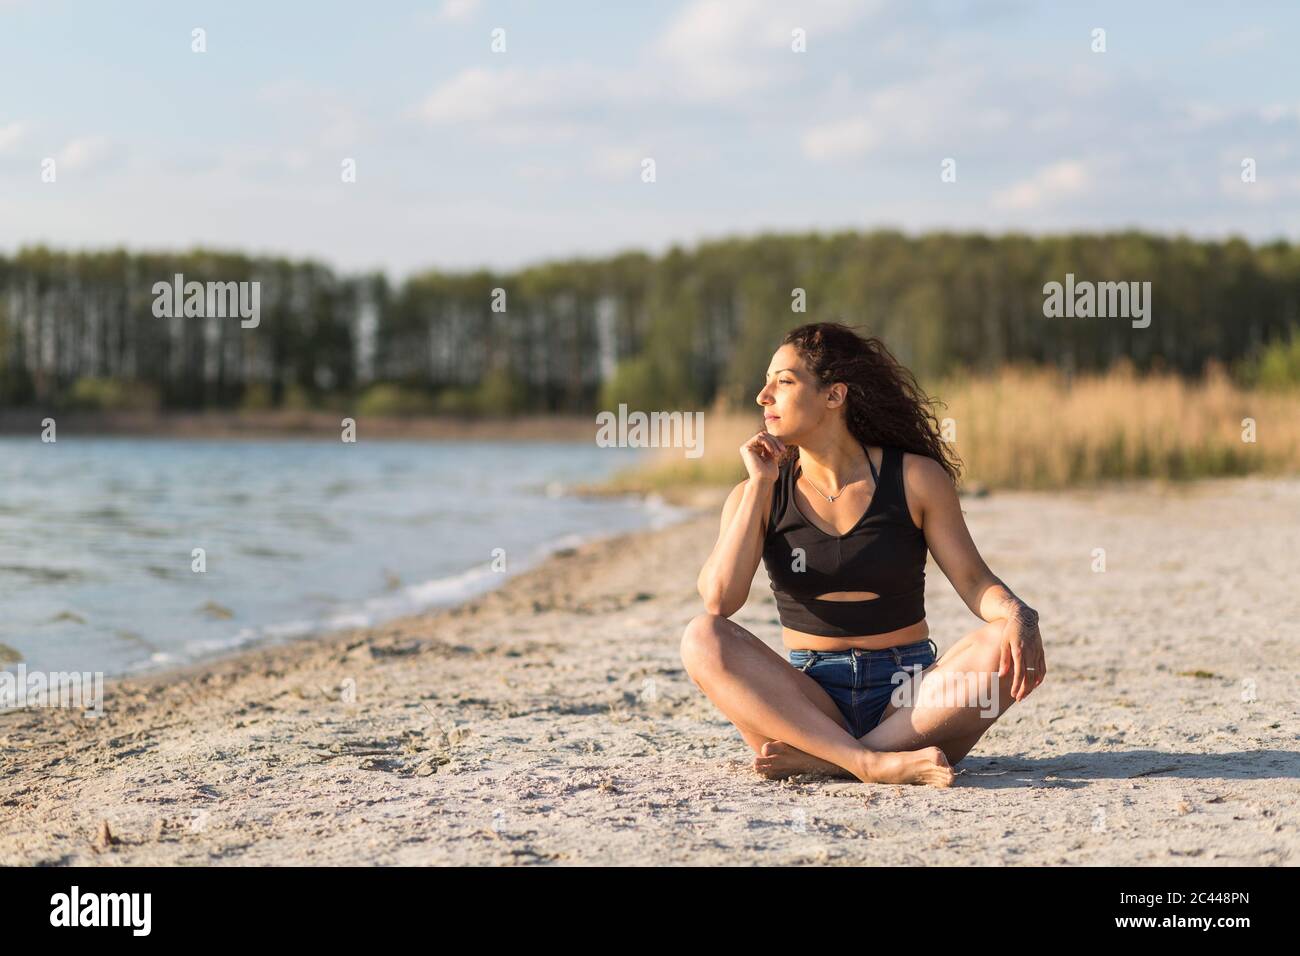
(1022,649)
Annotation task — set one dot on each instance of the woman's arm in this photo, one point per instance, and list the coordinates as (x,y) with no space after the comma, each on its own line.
(725,579)
(954,551)
(997,602)
(950,542)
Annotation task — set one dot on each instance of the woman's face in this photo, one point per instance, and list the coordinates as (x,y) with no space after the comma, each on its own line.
(792,403)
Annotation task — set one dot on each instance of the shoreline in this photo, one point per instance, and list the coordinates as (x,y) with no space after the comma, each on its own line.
(285,425)
(549,721)
(541,569)
(565,546)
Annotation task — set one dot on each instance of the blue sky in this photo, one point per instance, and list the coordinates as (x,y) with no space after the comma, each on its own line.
(466,157)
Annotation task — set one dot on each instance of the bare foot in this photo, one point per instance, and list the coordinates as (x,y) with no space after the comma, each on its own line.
(779,760)
(929,766)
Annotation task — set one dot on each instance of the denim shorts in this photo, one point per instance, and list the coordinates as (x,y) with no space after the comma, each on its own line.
(861,681)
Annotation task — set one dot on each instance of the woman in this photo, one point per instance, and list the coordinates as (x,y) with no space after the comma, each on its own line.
(849,484)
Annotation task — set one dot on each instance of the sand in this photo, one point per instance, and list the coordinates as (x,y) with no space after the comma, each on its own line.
(551,721)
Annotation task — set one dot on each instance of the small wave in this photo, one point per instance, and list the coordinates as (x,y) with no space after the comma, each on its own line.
(411,599)
(109,513)
(290,629)
(398,601)
(42,574)
(261,551)
(215,610)
(70,617)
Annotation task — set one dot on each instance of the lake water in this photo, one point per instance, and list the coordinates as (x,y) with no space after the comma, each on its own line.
(97,537)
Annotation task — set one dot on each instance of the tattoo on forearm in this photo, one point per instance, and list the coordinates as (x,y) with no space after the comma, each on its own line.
(1021,613)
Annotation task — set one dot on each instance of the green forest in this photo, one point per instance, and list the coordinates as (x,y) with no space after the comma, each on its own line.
(79,330)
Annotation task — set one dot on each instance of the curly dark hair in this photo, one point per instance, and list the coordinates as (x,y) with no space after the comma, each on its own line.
(884,405)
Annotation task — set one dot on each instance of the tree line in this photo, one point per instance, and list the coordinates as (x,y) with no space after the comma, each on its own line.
(672,331)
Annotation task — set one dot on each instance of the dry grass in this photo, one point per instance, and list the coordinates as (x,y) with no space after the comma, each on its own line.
(1033,428)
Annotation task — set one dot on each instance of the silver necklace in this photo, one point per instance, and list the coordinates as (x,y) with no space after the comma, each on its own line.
(819,491)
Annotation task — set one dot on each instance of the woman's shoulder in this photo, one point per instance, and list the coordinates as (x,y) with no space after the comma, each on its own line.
(924,482)
(921,471)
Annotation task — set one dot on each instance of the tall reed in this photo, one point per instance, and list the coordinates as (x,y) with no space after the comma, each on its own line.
(1034,427)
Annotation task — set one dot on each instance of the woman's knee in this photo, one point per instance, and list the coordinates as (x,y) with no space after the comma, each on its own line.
(991,641)
(981,649)
(702,642)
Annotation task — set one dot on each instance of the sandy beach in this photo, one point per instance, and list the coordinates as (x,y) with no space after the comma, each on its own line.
(551,721)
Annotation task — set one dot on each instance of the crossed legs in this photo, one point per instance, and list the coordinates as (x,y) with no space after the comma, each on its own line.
(793,725)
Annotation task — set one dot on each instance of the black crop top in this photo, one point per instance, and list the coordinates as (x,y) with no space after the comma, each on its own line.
(883,553)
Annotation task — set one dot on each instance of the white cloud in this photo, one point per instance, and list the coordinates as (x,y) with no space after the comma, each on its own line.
(1196,116)
(481,96)
(1244,40)
(720,49)
(833,142)
(1052,182)
(617,163)
(10,135)
(1199,115)
(538,172)
(295,160)
(1275,112)
(1265,189)
(315,115)
(712,50)
(81,153)
(705,42)
(456,10)
(532,106)
(938,111)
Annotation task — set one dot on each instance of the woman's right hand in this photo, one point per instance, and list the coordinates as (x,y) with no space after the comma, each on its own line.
(760,456)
